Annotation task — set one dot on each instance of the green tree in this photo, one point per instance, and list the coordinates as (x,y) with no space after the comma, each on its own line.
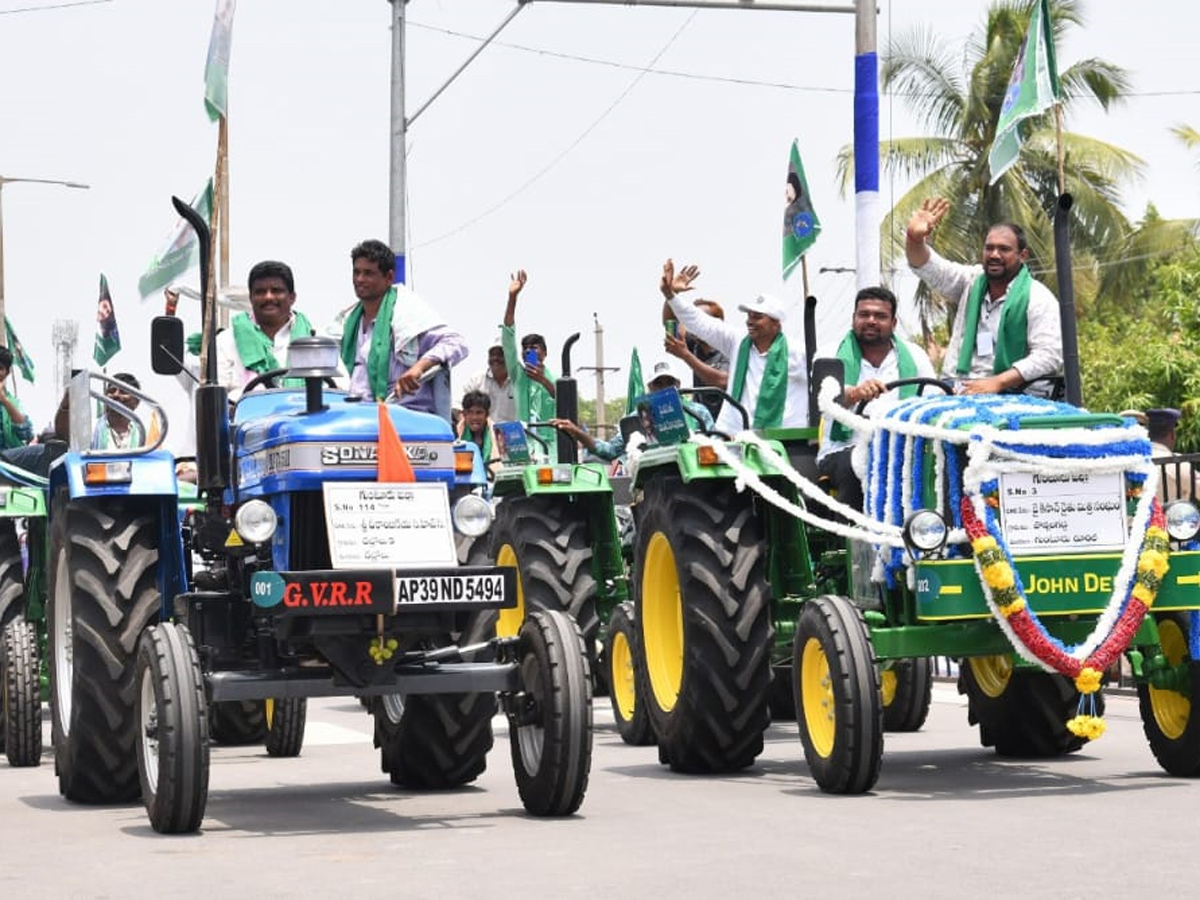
(1148,355)
(957,93)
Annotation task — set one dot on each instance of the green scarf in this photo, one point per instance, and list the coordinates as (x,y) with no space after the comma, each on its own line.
(379,357)
(1012,334)
(772,392)
(257,351)
(8,430)
(850,353)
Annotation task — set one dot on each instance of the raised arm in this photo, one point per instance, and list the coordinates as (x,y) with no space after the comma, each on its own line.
(920,227)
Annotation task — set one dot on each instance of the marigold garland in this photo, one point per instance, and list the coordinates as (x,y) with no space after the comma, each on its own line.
(1003,586)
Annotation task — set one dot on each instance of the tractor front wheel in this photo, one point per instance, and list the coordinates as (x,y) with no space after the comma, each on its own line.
(627,679)
(838,703)
(1167,720)
(907,693)
(21,702)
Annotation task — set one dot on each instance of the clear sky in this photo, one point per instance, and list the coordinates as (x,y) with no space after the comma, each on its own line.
(553,152)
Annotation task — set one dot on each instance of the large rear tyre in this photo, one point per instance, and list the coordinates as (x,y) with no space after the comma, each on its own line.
(172,754)
(21,703)
(1169,718)
(1022,713)
(838,704)
(284,721)
(703,616)
(551,548)
(627,679)
(550,730)
(237,723)
(12,573)
(907,692)
(437,741)
(103,596)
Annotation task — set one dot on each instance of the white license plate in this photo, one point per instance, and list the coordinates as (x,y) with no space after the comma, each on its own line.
(416,589)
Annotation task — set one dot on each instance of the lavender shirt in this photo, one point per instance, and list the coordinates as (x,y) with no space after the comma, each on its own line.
(441,343)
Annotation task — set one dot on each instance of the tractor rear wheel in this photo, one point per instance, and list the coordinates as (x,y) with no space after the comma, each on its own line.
(237,723)
(550,731)
(12,573)
(907,692)
(284,720)
(21,702)
(627,678)
(1022,713)
(549,542)
(1167,715)
(103,596)
(172,753)
(838,704)
(703,618)
(437,741)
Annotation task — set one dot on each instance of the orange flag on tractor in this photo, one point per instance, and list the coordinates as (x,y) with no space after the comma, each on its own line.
(393,461)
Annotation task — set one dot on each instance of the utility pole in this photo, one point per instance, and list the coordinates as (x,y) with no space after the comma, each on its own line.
(599,368)
(3,181)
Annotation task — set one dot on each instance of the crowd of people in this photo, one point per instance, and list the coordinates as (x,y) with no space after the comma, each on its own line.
(398,348)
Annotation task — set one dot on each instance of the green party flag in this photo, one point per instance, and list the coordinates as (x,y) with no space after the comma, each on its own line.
(800,223)
(20,358)
(1033,88)
(108,338)
(181,250)
(216,66)
(636,386)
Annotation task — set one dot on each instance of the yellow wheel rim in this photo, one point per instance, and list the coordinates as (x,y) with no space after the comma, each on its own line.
(816,687)
(269,712)
(992,673)
(662,621)
(887,681)
(1171,708)
(509,623)
(622,685)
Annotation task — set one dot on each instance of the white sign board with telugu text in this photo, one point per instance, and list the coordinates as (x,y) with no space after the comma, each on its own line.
(379,525)
(1055,513)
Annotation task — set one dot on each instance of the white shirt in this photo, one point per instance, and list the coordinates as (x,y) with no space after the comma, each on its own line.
(231,372)
(504,406)
(887,370)
(1043,330)
(727,337)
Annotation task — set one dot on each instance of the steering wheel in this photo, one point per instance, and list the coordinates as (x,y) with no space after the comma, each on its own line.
(264,378)
(902,382)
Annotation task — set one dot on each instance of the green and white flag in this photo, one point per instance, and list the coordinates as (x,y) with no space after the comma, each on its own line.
(635,387)
(1033,88)
(181,250)
(108,338)
(216,68)
(800,223)
(20,358)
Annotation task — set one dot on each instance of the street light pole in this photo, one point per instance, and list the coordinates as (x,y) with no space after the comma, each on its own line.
(3,181)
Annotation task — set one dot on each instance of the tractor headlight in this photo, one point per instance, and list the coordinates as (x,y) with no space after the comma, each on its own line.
(472,515)
(1183,520)
(925,532)
(255,522)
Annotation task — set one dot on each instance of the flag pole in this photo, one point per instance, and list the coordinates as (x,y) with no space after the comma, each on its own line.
(1058,141)
(218,214)
(223,220)
(804,272)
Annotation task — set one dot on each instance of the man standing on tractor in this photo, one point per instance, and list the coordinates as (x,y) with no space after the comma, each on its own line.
(391,337)
(534,382)
(872,356)
(257,341)
(767,376)
(1007,332)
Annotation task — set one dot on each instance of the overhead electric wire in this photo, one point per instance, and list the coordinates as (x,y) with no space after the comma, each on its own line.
(28,9)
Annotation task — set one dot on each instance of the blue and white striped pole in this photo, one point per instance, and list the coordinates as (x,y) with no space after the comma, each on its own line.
(866,146)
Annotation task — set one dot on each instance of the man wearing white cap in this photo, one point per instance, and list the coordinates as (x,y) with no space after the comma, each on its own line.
(665,374)
(766,376)
(494,382)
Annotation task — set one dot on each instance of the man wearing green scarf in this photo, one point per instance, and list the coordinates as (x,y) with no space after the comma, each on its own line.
(872,355)
(767,375)
(533,383)
(15,428)
(257,341)
(391,337)
(1007,330)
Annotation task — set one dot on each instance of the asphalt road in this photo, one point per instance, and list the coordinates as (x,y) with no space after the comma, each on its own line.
(947,819)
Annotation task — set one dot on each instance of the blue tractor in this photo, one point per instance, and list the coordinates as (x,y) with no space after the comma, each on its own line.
(302,575)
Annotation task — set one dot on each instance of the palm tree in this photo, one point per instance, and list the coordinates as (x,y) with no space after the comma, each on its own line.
(957,94)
